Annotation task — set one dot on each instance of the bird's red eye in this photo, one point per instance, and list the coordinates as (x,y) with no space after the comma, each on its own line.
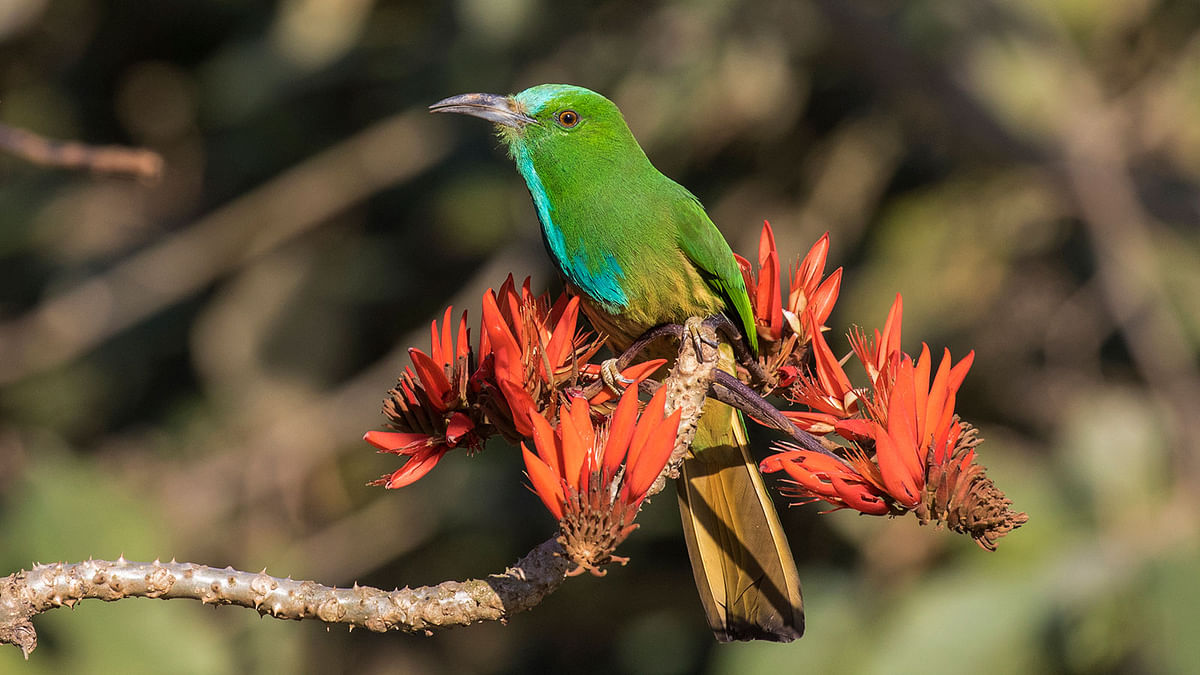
(568,118)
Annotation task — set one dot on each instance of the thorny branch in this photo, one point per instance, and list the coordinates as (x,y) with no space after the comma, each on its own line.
(137,162)
(967,503)
(496,597)
(452,603)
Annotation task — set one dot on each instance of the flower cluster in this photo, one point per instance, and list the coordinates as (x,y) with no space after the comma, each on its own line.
(530,351)
(593,480)
(786,328)
(431,406)
(891,446)
(908,449)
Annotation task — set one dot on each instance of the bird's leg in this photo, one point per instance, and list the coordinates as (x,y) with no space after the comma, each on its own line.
(660,331)
(730,390)
(610,370)
(610,375)
(648,386)
(741,350)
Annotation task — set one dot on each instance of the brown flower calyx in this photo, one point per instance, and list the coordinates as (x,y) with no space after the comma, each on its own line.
(592,527)
(959,494)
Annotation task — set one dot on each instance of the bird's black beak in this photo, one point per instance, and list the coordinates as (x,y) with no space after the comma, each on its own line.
(492,107)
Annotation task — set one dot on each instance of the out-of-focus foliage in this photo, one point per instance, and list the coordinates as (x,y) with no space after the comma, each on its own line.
(186,368)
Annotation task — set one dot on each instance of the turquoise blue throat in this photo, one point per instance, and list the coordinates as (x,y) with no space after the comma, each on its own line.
(599,279)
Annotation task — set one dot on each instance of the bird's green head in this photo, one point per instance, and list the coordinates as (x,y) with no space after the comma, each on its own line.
(559,119)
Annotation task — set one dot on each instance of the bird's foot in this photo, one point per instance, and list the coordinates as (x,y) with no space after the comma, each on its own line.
(723,326)
(610,374)
(693,329)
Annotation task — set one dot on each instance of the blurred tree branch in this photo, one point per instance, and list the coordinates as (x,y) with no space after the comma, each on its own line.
(141,163)
(260,221)
(1093,141)
(1089,158)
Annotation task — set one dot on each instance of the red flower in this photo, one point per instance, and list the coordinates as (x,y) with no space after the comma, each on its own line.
(833,401)
(880,356)
(764,289)
(536,348)
(809,294)
(818,477)
(530,352)
(919,434)
(786,325)
(429,406)
(826,390)
(577,471)
(909,453)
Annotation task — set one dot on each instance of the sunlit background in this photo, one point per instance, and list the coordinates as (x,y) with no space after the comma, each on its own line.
(186,367)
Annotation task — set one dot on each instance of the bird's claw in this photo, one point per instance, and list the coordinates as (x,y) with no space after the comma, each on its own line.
(695,330)
(610,374)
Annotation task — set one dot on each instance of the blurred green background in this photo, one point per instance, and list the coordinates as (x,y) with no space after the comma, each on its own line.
(186,368)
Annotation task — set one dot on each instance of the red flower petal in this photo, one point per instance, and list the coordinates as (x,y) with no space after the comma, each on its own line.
(447,340)
(775,462)
(409,395)
(855,429)
(546,483)
(859,497)
(959,372)
(458,426)
(464,339)
(419,464)
(766,243)
(897,478)
(620,432)
(520,404)
(652,458)
(396,442)
(435,342)
(817,423)
(546,442)
(767,302)
(508,302)
(559,306)
(831,378)
(561,339)
(485,343)
(889,340)
(653,411)
(945,429)
(433,378)
(576,432)
(921,399)
(902,423)
(808,274)
(581,413)
(820,305)
(811,470)
(503,342)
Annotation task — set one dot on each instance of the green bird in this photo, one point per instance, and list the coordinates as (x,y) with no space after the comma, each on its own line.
(640,251)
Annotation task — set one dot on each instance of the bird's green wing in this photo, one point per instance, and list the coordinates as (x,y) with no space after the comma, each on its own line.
(702,243)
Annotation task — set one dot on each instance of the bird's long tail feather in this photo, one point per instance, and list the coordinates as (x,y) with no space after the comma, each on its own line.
(740,557)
